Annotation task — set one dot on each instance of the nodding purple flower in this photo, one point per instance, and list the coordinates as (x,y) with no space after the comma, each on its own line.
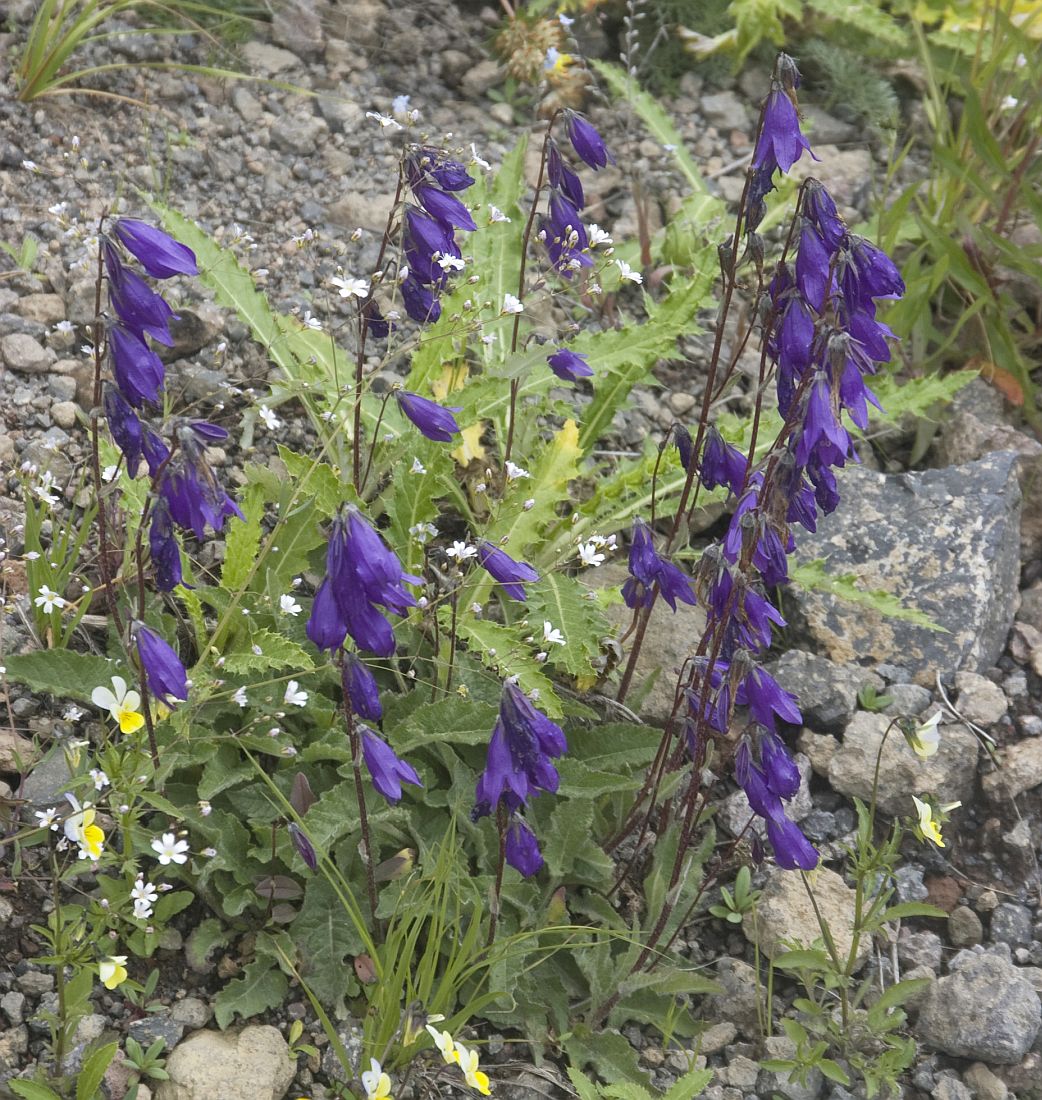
(360,689)
(361,572)
(562,178)
(434,421)
(137,305)
(138,371)
(194,496)
(766,698)
(387,770)
(450,175)
(124,427)
(566,223)
(426,238)
(819,209)
(421,303)
(157,252)
(822,431)
(647,568)
(587,142)
(165,674)
(722,463)
(305,849)
(156,452)
(867,273)
(793,339)
(779,768)
(518,765)
(813,267)
(510,573)
(752,780)
(522,848)
(761,184)
(164,548)
(377,324)
(792,850)
(569,365)
(444,207)
(684,444)
(781,142)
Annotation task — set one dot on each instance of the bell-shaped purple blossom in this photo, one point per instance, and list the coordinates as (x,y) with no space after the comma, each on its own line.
(722,463)
(165,675)
(647,568)
(157,252)
(781,142)
(587,142)
(518,765)
(124,427)
(566,223)
(450,175)
(563,179)
(779,768)
(813,267)
(360,689)
(685,445)
(435,421)
(387,770)
(137,305)
(511,574)
(867,273)
(752,780)
(820,210)
(427,239)
(376,323)
(522,848)
(194,497)
(138,371)
(569,365)
(766,699)
(421,303)
(792,850)
(821,427)
(155,451)
(305,849)
(164,548)
(444,207)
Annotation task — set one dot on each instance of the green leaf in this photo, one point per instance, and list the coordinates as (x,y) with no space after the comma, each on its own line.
(243,540)
(898,993)
(203,941)
(586,1089)
(803,960)
(31,1090)
(833,1071)
(449,721)
(690,1085)
(89,1079)
(62,672)
(608,1052)
(276,652)
(325,935)
(562,601)
(814,576)
(905,909)
(261,987)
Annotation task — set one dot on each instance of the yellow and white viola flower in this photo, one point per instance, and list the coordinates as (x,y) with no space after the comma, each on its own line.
(468,1062)
(444,1042)
(112,971)
(930,819)
(121,703)
(376,1083)
(82,831)
(925,738)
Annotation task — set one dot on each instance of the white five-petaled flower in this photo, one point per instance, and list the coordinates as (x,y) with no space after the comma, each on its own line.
(122,704)
(478,160)
(417,467)
(101,780)
(295,696)
(595,235)
(309,320)
(496,215)
(589,554)
(144,895)
(384,120)
(65,326)
(512,304)
(240,697)
(72,713)
(627,272)
(515,472)
(271,421)
(48,600)
(351,288)
(449,262)
(461,551)
(169,849)
(289,605)
(48,819)
(551,635)
(421,532)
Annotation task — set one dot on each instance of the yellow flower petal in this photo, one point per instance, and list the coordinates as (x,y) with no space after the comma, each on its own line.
(130,721)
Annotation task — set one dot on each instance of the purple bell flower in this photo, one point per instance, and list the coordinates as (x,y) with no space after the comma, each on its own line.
(684,444)
(792,850)
(502,567)
(164,672)
(446,208)
(451,175)
(867,273)
(194,497)
(378,325)
(752,780)
(158,253)
(124,427)
(360,689)
(386,769)
(435,421)
(305,849)
(164,548)
(779,769)
(820,210)
(722,463)
(646,568)
(137,305)
(813,267)
(156,452)
(766,698)
(566,223)
(522,848)
(822,429)
(421,303)
(138,371)
(569,365)
(587,142)
(563,179)
(781,141)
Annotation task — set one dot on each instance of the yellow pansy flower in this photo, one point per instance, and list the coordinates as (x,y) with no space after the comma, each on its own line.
(121,704)
(930,820)
(376,1083)
(468,1062)
(81,830)
(925,738)
(444,1042)
(112,971)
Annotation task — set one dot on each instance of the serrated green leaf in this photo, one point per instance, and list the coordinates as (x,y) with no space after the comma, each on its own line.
(243,540)
(690,1085)
(62,672)
(562,601)
(586,1089)
(31,1090)
(609,1053)
(324,935)
(208,935)
(89,1079)
(450,721)
(261,987)
(276,652)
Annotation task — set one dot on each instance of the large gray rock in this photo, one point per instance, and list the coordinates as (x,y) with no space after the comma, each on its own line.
(25,354)
(1020,769)
(944,542)
(252,1064)
(827,692)
(949,773)
(985,1009)
(297,25)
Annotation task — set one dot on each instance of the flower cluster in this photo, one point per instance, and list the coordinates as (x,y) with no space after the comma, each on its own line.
(518,766)
(823,338)
(430,249)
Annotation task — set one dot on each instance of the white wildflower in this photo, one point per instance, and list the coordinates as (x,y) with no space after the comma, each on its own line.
(289,606)
(295,696)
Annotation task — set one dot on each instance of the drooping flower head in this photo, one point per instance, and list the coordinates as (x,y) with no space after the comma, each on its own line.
(569,365)
(192,493)
(510,573)
(360,688)
(157,252)
(587,142)
(305,849)
(647,568)
(434,421)
(138,371)
(137,305)
(387,770)
(781,142)
(164,548)
(522,848)
(165,674)
(124,427)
